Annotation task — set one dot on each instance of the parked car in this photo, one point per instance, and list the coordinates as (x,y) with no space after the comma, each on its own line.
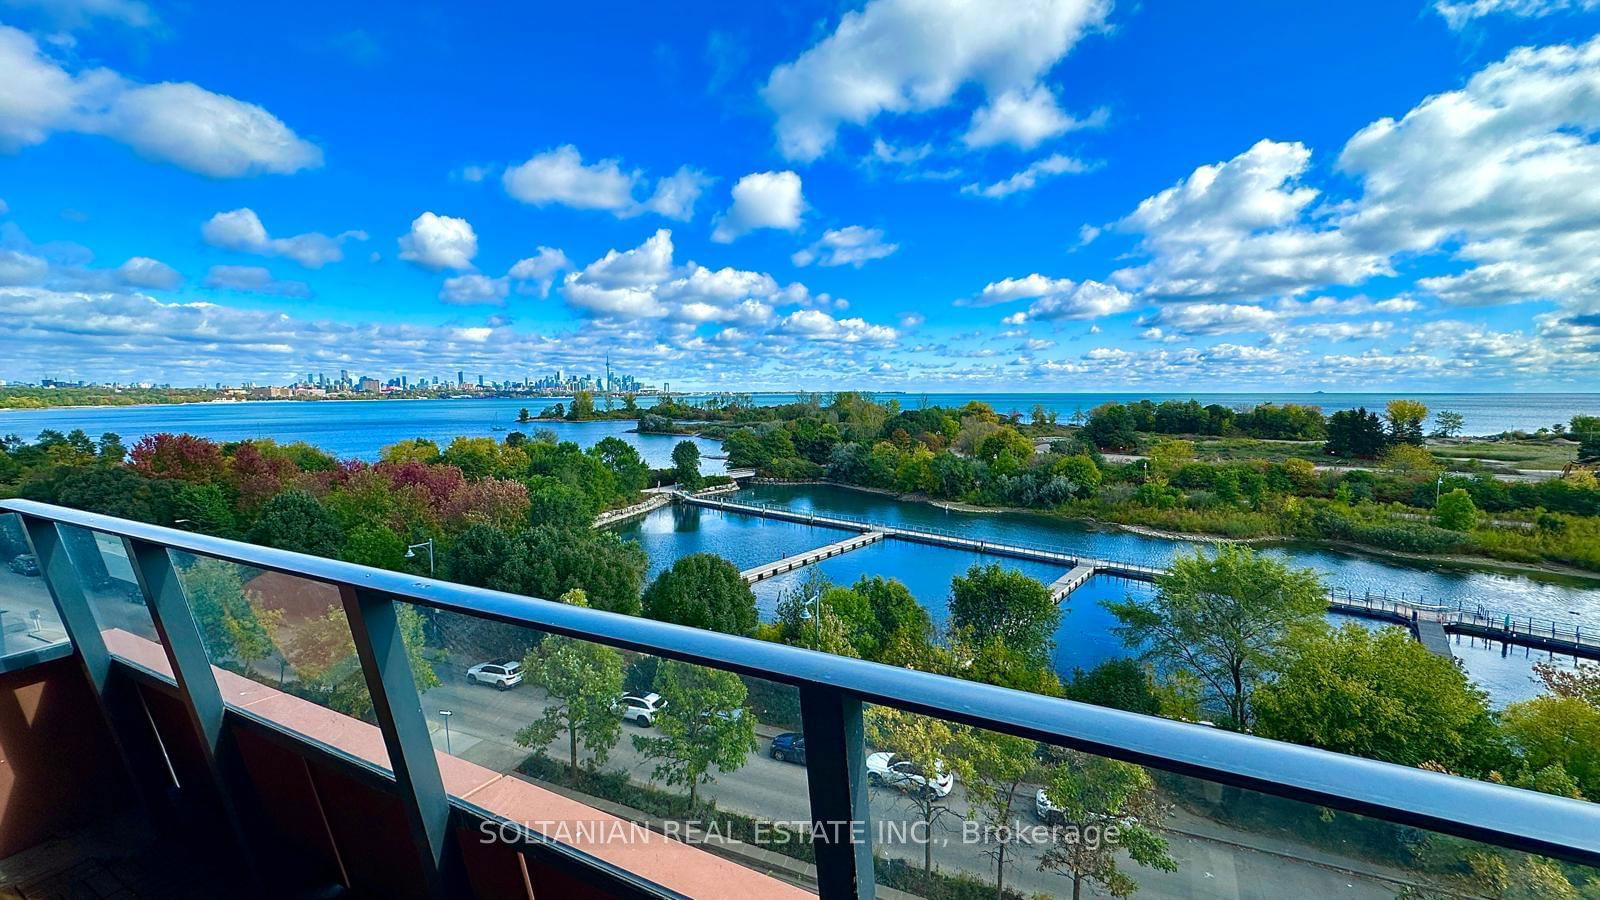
(503,675)
(25,564)
(789,747)
(1048,812)
(641,709)
(893,770)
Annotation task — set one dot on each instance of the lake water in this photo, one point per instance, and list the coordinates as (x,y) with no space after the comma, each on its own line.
(1085,638)
(348,429)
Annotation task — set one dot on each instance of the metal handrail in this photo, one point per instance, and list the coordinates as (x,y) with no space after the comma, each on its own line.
(1496,814)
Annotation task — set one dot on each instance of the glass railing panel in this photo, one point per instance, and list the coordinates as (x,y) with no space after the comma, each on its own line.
(692,754)
(28,617)
(282,649)
(1019,819)
(111,591)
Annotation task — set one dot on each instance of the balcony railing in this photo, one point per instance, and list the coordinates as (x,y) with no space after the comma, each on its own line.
(832,691)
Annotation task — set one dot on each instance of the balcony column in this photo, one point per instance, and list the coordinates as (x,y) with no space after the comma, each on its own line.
(119,702)
(398,708)
(197,688)
(836,778)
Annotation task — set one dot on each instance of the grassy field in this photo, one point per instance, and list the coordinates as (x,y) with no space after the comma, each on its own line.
(1530,454)
(1463,456)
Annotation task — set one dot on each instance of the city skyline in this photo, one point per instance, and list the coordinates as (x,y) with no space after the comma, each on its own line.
(1078,195)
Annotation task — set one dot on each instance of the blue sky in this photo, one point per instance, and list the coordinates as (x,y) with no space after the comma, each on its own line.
(897,194)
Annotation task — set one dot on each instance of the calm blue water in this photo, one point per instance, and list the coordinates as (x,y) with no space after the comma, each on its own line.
(673,532)
(348,429)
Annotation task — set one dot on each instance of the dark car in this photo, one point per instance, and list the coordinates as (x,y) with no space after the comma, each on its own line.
(789,747)
(25,564)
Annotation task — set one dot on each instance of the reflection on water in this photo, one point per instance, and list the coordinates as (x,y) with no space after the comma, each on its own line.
(673,532)
(1504,670)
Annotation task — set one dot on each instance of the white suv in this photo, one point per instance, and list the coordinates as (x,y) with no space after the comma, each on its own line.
(641,709)
(893,770)
(503,675)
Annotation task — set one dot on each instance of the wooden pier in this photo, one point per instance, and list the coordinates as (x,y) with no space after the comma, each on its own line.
(1074,579)
(799,560)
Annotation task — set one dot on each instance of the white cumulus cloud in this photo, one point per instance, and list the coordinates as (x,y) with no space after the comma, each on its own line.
(904,56)
(175,122)
(853,245)
(144,272)
(561,176)
(1029,178)
(241,230)
(1458,14)
(761,200)
(439,242)
(539,270)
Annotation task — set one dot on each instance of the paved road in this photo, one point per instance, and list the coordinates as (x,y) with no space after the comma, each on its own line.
(1211,865)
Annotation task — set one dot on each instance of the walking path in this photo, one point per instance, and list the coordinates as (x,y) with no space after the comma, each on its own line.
(790,563)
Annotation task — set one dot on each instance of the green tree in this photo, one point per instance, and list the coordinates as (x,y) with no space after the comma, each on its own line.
(377,546)
(1586,429)
(1562,731)
(1116,683)
(117,491)
(1355,432)
(993,603)
(1081,473)
(1225,618)
(475,457)
(477,555)
(1381,695)
(995,767)
(1447,424)
(897,611)
(1115,799)
(548,562)
(581,681)
(1110,427)
(554,503)
(582,406)
(523,417)
(1405,419)
(111,449)
(704,725)
(631,471)
(702,591)
(294,520)
(206,508)
(686,465)
(1456,511)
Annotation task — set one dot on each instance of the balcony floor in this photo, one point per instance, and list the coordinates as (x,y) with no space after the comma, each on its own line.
(104,863)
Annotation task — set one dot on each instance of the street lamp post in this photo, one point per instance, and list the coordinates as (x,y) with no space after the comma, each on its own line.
(411,553)
(1437,487)
(816,601)
(446,714)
